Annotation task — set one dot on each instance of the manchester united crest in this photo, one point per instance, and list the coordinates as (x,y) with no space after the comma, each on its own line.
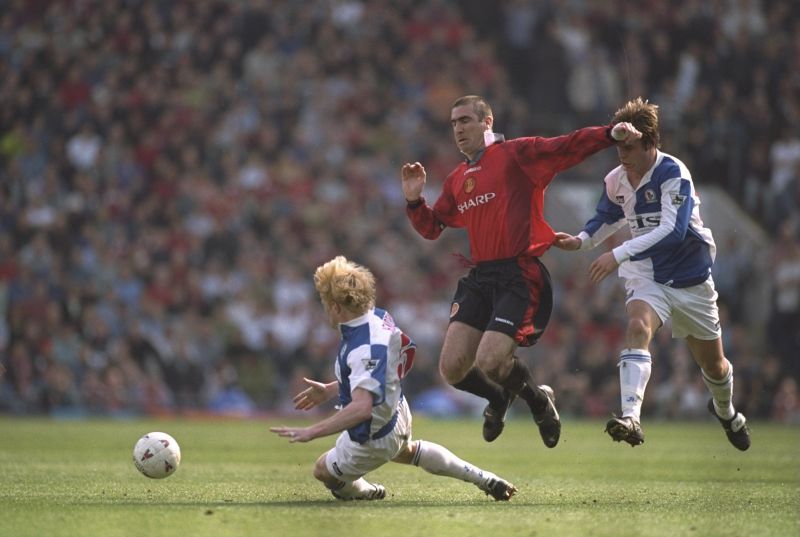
(469,185)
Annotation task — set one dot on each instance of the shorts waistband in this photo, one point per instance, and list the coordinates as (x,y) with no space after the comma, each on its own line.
(689,282)
(497,262)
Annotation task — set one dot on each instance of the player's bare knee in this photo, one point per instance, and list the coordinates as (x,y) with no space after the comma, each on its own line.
(715,368)
(496,367)
(638,333)
(320,471)
(406,455)
(452,374)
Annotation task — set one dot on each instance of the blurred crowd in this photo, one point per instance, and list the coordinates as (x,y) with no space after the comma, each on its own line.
(171,173)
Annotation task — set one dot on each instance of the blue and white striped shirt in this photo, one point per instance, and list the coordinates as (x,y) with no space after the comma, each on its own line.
(373,355)
(669,243)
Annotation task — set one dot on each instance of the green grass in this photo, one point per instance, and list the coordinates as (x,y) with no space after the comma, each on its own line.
(237,479)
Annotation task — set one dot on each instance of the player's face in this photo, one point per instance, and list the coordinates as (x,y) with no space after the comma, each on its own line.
(468,130)
(332,310)
(634,157)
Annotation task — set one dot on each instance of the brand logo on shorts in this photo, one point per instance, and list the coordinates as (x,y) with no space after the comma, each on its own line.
(469,185)
(453,309)
(336,469)
(504,321)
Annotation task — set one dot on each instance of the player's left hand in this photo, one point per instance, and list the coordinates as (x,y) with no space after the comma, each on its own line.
(602,267)
(294,434)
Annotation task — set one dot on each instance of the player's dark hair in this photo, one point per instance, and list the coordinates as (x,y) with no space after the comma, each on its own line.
(479,105)
(644,116)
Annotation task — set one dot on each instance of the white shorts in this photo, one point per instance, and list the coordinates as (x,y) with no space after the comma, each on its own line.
(693,310)
(350,460)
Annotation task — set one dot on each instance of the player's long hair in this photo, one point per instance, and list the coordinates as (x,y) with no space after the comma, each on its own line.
(644,116)
(343,282)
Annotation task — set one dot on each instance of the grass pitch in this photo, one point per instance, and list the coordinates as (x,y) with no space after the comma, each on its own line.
(237,479)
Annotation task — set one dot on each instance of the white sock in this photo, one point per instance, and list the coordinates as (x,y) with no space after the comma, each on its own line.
(634,372)
(722,393)
(439,460)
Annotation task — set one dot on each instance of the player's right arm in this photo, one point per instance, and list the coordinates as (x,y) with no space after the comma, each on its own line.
(608,218)
(358,411)
(413,177)
(429,222)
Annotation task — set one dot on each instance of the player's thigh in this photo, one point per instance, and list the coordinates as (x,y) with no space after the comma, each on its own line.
(458,350)
(646,300)
(642,312)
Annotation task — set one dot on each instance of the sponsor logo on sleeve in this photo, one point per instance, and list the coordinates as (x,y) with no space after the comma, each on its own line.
(677,199)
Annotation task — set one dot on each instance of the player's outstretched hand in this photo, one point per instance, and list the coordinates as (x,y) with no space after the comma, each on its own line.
(294,434)
(413,177)
(625,132)
(565,241)
(315,394)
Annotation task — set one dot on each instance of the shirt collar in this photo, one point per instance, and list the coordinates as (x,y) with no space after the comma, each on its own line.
(356,321)
(489,138)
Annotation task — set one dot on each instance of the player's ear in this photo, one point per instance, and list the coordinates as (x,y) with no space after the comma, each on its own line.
(489,122)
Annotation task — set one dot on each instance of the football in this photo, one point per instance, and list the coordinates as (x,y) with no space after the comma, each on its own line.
(157,455)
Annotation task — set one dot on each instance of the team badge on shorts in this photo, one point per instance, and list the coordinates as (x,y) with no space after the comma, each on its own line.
(469,185)
(453,309)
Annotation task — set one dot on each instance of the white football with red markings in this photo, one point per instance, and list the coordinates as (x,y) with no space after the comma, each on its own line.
(157,455)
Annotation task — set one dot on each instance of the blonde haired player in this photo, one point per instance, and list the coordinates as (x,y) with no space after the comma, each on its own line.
(374,420)
(667,270)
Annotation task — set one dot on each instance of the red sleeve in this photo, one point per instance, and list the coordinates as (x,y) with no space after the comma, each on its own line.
(430,222)
(424,220)
(542,158)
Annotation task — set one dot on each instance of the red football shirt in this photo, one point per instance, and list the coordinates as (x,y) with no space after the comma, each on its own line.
(500,198)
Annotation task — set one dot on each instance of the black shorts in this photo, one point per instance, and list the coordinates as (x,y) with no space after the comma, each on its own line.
(513,296)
